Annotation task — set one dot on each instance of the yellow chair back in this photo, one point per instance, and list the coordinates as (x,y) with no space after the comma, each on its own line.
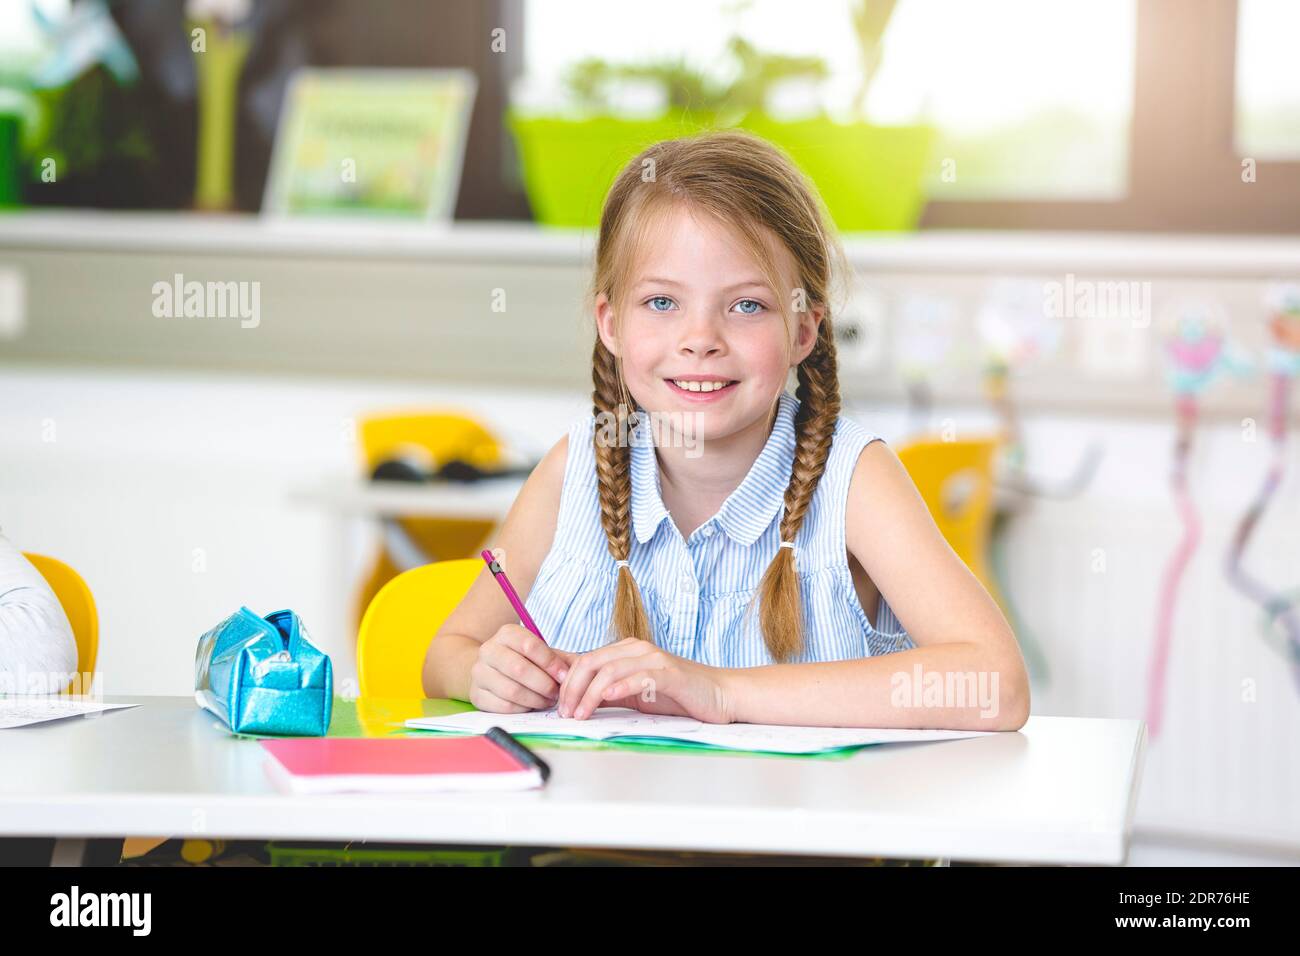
(955,478)
(401,621)
(79,604)
(440,435)
(437,437)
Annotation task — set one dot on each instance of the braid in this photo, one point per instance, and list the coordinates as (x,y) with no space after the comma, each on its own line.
(819,398)
(819,407)
(614,482)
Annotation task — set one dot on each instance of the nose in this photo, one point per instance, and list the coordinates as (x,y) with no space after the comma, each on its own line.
(700,336)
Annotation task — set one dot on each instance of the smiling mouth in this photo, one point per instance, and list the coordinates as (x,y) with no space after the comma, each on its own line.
(701,387)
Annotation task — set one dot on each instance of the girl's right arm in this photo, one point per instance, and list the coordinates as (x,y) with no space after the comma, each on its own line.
(482,653)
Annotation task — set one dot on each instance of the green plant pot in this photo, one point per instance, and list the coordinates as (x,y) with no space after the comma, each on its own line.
(870,176)
(568,165)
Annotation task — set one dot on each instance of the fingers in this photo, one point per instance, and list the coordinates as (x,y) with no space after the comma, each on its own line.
(488,678)
(553,662)
(617,673)
(584,669)
(512,677)
(633,685)
(513,652)
(630,691)
(490,702)
(584,666)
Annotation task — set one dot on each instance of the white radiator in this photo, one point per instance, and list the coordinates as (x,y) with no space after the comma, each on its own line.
(1222,766)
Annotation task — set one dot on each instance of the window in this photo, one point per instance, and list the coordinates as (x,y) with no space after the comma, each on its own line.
(1030,99)
(1267,102)
(1153,115)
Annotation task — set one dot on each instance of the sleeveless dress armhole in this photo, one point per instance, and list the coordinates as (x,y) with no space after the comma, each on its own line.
(886,634)
(562,541)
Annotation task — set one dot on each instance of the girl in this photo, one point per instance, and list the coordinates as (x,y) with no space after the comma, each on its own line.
(705,543)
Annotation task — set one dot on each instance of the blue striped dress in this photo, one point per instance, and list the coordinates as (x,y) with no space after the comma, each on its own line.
(695,589)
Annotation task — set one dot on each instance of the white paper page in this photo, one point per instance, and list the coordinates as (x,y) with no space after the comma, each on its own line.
(19,711)
(626,722)
(779,738)
(605,722)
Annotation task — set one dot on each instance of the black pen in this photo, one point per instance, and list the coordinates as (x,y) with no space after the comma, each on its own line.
(517,750)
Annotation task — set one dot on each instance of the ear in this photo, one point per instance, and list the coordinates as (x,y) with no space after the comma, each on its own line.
(605,323)
(806,332)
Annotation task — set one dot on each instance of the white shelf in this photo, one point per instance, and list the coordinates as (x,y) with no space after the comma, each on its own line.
(89,230)
(487,500)
(931,251)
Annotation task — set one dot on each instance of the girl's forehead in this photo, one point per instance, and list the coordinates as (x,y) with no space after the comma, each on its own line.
(686,246)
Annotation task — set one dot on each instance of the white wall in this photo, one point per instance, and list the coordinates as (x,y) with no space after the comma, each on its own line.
(170,494)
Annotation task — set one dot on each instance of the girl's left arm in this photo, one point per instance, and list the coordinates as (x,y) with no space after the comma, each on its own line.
(966,671)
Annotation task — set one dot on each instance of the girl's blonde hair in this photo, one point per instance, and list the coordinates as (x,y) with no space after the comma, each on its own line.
(751,188)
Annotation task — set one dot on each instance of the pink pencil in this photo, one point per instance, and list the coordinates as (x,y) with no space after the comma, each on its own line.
(511,596)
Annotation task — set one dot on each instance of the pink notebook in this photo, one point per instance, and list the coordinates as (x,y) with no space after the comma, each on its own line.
(332,764)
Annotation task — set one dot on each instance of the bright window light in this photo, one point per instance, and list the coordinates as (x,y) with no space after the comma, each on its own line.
(1030,99)
(1268,83)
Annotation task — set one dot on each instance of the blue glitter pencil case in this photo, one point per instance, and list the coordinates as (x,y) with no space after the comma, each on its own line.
(262,675)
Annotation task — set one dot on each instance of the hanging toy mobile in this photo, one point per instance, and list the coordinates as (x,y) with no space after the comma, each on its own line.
(1281,611)
(925,348)
(1198,351)
(1015,330)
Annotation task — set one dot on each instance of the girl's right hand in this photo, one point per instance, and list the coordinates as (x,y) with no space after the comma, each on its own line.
(516,671)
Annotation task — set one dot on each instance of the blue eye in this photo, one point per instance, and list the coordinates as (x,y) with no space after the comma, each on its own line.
(753,302)
(658,298)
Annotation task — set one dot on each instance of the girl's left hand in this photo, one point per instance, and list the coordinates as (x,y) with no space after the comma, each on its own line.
(639,674)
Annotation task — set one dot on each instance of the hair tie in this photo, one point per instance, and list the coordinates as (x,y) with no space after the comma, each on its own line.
(787,544)
(622,563)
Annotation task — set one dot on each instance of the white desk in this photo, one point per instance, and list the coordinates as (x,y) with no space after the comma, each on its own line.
(484,500)
(1061,790)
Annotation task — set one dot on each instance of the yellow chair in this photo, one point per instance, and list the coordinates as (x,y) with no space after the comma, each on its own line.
(434,438)
(402,620)
(79,604)
(955,478)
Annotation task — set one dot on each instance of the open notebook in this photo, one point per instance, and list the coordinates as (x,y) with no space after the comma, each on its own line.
(624,723)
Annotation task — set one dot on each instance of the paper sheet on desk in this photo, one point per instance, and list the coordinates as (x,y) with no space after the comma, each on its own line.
(20,711)
(618,723)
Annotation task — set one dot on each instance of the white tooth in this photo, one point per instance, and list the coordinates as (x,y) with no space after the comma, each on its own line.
(691,386)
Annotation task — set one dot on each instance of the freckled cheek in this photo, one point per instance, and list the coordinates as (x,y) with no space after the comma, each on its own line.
(643,354)
(762,357)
